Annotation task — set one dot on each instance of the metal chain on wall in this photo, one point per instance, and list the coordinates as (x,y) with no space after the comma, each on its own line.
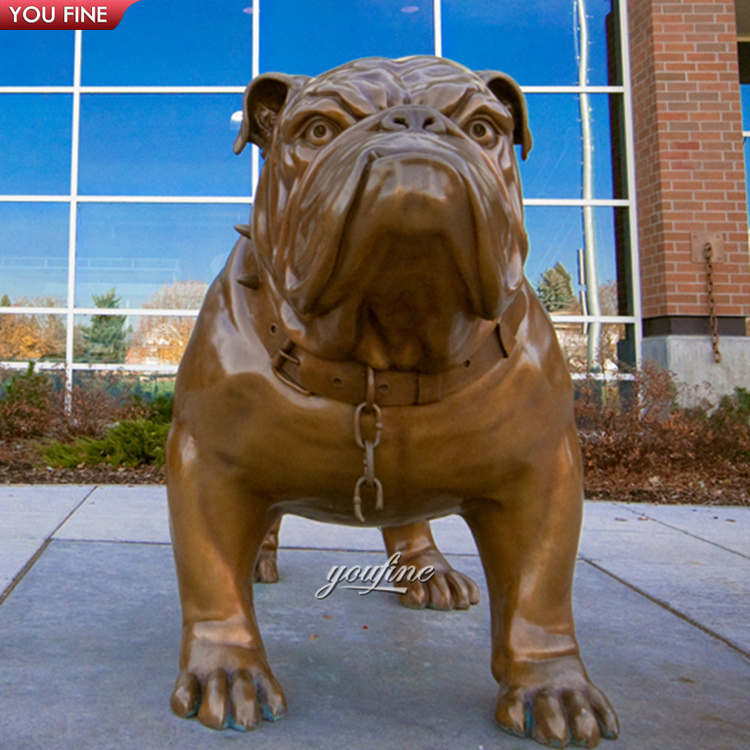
(708,253)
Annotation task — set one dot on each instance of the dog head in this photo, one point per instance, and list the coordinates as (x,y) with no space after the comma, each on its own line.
(390,180)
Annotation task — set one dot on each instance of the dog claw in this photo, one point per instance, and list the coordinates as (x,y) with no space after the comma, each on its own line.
(584,727)
(245,714)
(550,726)
(214,708)
(186,695)
(511,714)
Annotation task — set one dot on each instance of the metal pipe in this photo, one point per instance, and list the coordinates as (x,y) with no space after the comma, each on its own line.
(590,270)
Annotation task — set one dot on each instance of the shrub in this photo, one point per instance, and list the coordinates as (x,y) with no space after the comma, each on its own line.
(638,428)
(29,405)
(33,404)
(130,443)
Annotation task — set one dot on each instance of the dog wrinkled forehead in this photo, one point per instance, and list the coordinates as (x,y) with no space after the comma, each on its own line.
(375,84)
(370,85)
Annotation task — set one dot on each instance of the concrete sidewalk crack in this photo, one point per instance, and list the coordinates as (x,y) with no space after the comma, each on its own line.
(32,560)
(669,608)
(683,531)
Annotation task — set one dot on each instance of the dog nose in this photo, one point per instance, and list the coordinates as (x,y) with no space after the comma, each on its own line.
(413,118)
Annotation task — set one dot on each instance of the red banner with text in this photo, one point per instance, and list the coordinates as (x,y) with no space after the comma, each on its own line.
(60,15)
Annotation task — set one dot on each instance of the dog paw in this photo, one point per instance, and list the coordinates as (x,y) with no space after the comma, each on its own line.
(236,699)
(267,569)
(447,589)
(558,707)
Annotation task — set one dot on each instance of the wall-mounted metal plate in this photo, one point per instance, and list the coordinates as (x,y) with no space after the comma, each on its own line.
(698,241)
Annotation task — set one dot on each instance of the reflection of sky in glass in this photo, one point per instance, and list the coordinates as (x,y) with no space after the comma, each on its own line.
(139,248)
(311,37)
(554,167)
(36,58)
(532,40)
(192,42)
(35,143)
(160,144)
(745,93)
(34,250)
(556,234)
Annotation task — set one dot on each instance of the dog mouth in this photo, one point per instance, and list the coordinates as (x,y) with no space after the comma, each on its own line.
(425,211)
(410,219)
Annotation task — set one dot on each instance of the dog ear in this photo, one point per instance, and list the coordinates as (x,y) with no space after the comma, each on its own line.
(263,99)
(510,94)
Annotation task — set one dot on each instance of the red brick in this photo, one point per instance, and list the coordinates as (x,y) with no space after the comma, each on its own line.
(686,93)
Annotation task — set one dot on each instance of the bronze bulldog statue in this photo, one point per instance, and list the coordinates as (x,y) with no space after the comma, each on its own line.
(372,353)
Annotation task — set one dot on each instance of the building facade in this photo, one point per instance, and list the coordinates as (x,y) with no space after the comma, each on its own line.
(119,189)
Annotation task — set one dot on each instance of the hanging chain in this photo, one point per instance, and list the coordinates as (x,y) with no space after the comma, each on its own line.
(708,252)
(368,411)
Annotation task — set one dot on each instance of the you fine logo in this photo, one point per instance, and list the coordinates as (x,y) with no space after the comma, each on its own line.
(60,15)
(373,577)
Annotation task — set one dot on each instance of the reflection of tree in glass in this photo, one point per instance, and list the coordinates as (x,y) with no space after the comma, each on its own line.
(106,339)
(28,337)
(575,338)
(162,339)
(555,289)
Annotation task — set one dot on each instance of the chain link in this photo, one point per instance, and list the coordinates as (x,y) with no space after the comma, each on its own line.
(708,253)
(368,408)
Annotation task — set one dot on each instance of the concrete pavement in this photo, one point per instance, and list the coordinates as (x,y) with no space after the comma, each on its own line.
(89,631)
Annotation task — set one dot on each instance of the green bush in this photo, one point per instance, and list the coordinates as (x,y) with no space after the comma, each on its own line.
(157,409)
(130,443)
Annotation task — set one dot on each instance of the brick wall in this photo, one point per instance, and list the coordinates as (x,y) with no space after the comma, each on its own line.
(689,156)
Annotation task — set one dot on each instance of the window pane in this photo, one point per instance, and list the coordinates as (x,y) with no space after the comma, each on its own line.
(161,145)
(187,43)
(535,41)
(745,93)
(591,348)
(32,337)
(131,339)
(35,144)
(159,340)
(309,38)
(36,58)
(153,254)
(101,339)
(554,168)
(124,385)
(34,253)
(555,237)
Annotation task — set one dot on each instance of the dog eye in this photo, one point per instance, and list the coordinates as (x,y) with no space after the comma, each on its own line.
(483,131)
(320,132)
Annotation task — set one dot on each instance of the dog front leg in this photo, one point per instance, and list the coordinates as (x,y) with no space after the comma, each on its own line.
(527,537)
(217,530)
(447,588)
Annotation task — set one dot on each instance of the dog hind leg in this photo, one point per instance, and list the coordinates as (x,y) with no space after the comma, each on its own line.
(267,565)
(447,588)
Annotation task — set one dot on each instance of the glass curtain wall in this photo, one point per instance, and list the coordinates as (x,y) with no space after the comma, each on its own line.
(119,189)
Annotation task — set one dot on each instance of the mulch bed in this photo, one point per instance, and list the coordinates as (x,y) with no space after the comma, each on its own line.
(724,485)
(20,464)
